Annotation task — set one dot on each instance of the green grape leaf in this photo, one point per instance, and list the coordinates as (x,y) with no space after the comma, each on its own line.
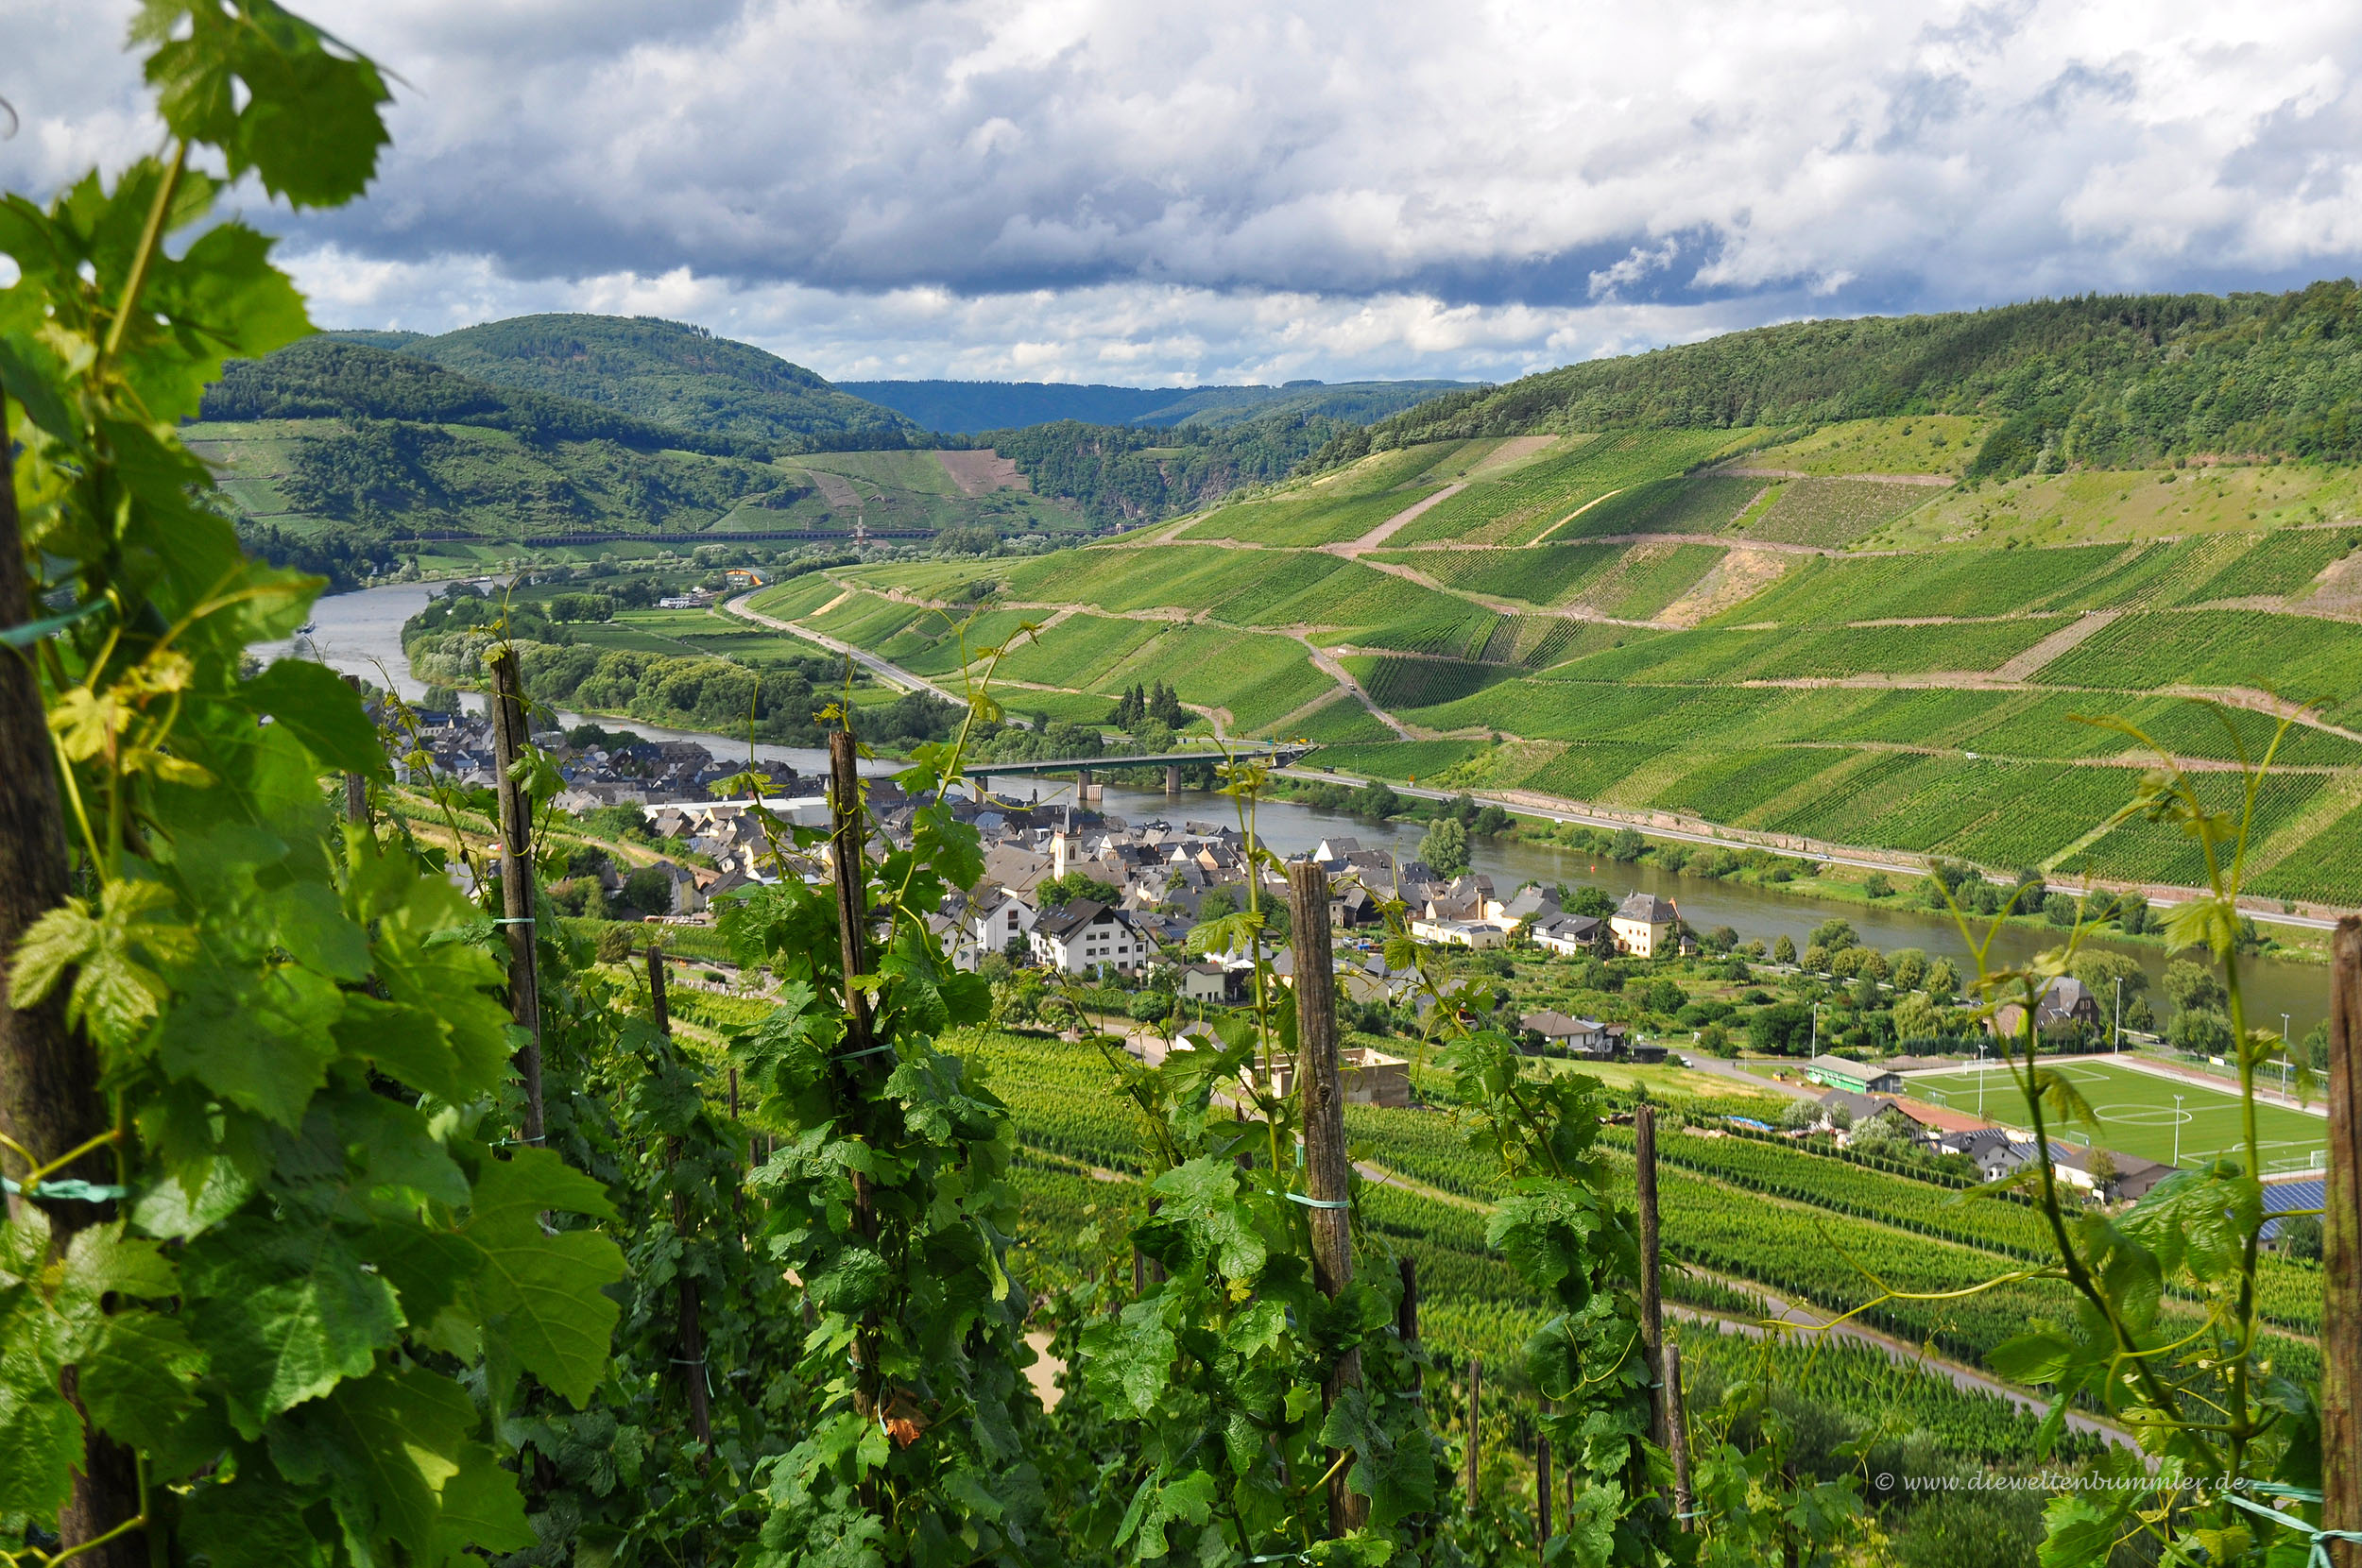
(27,372)
(386,1446)
(545,1290)
(253,1522)
(310,124)
(138,1382)
(1128,1360)
(44,1438)
(311,925)
(320,710)
(481,1508)
(2030,1357)
(261,1042)
(1160,1503)
(1203,1197)
(102,1261)
(396,1154)
(286,1311)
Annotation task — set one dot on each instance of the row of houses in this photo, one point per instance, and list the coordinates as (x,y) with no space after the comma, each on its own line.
(1643,925)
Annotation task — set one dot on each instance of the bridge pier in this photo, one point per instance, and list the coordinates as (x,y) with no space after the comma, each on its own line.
(1172,778)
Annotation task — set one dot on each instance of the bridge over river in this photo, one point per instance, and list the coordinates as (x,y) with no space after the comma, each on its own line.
(1172,761)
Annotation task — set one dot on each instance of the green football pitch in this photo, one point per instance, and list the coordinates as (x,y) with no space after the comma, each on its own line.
(2137,1114)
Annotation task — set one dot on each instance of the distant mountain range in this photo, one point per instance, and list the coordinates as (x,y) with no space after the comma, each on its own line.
(970,407)
(568,424)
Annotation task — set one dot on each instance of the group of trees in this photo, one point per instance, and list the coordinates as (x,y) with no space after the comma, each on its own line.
(1141,705)
(2107,380)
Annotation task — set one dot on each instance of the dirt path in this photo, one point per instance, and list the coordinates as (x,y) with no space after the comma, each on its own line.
(892,675)
(1395,524)
(2024,666)
(1326,664)
(1570,517)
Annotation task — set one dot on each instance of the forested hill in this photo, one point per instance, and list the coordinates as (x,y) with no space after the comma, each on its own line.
(673,374)
(967,407)
(335,377)
(2110,381)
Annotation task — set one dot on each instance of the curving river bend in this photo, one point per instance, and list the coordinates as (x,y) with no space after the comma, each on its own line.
(361,634)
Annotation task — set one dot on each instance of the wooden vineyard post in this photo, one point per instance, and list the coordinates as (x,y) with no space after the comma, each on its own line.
(1677,1430)
(1542,1492)
(49,1097)
(690,1336)
(524,981)
(356,786)
(853,917)
(2341,1253)
(1472,1449)
(1663,1361)
(1328,1173)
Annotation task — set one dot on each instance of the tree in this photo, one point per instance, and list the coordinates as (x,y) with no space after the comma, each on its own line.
(1876,885)
(1907,967)
(1445,847)
(2199,1031)
(1815,958)
(1835,934)
(1784,950)
(1801,1115)
(1666,997)
(1626,845)
(2102,1166)
(1377,801)
(2192,985)
(2300,1236)
(1943,981)
(2100,970)
(1058,891)
(1783,1028)
(1490,821)
(649,890)
(1915,1016)
(1588,900)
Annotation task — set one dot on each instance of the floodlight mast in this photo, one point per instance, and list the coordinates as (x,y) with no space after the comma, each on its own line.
(2177,1131)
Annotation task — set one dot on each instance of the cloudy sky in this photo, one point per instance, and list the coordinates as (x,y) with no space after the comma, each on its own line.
(1229,190)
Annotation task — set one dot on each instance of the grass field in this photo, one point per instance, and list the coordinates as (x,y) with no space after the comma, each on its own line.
(2138,1115)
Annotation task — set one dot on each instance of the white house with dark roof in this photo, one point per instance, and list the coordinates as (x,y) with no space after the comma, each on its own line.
(1085,934)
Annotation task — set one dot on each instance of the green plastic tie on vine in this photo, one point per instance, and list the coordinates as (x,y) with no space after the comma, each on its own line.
(33,631)
(1320,1202)
(2318,1557)
(71,1191)
(852,1055)
(514,920)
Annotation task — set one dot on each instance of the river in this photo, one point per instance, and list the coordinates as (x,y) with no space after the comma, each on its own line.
(361,633)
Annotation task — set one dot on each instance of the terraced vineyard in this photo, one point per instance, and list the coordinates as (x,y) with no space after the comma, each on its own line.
(1797,677)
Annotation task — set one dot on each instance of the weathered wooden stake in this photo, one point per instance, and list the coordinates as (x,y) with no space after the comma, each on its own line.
(49,1097)
(2341,1253)
(509,738)
(356,786)
(1541,1490)
(1328,1172)
(1651,1301)
(853,917)
(1472,1449)
(1677,1428)
(689,1333)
